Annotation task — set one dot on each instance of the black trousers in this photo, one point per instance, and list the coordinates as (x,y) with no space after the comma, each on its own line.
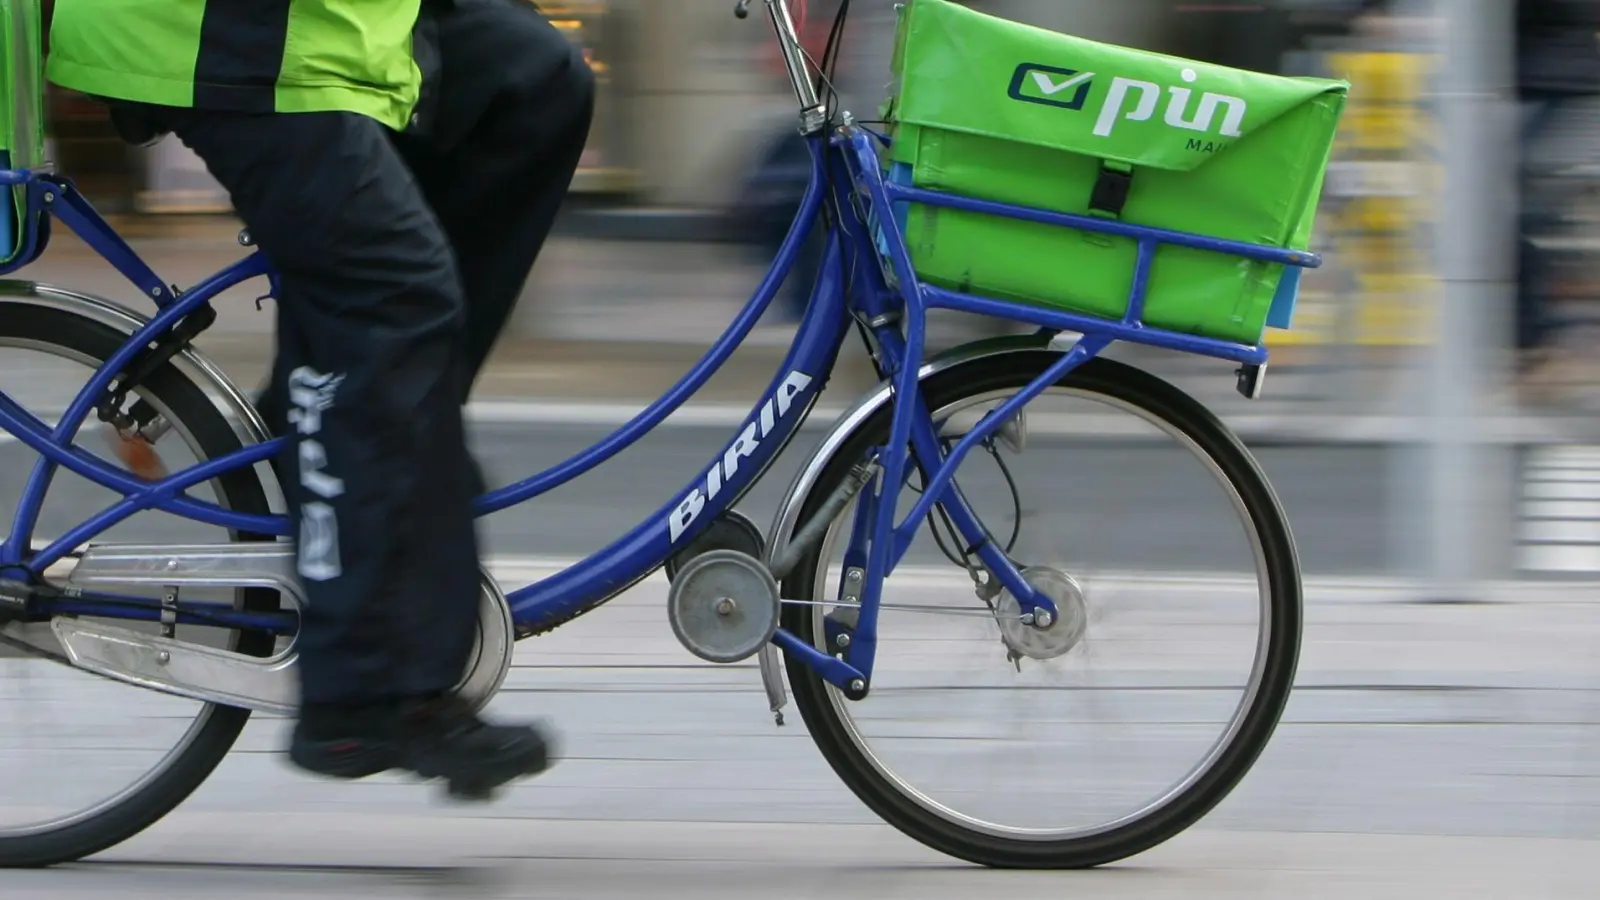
(401,256)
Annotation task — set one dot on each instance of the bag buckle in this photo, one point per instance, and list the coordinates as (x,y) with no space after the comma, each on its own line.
(1110,193)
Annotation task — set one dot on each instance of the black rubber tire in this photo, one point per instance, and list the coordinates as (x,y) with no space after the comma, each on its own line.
(1128,385)
(242,491)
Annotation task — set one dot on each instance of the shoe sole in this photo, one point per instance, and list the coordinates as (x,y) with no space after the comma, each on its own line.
(356,762)
(479,781)
(476,781)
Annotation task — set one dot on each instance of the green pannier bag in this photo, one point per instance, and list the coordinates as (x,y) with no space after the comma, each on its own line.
(1001,111)
(21,112)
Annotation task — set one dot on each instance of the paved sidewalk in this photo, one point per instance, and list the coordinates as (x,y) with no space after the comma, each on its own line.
(1429,751)
(334,855)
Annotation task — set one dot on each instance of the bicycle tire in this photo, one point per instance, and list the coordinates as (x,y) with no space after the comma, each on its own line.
(82,339)
(1127,385)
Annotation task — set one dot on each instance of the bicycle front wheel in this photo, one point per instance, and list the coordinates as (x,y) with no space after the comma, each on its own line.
(1146,703)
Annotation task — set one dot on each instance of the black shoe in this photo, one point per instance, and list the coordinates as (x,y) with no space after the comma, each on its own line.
(435,739)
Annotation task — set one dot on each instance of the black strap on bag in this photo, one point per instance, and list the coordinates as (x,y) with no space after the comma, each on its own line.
(1110,193)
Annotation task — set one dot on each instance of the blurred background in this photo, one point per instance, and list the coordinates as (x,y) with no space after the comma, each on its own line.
(1432,422)
(690,181)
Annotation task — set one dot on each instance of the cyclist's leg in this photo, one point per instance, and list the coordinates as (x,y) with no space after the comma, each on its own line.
(514,107)
(495,161)
(369,310)
(370,316)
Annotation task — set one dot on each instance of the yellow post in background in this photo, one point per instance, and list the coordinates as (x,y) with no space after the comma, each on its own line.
(1375,199)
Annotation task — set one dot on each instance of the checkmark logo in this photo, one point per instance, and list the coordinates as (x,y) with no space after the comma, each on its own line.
(1048,85)
(1051,86)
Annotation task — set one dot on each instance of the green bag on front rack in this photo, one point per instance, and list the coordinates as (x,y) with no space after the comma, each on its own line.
(988,108)
(21,110)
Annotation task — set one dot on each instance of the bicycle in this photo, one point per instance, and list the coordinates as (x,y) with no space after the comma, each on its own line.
(735,593)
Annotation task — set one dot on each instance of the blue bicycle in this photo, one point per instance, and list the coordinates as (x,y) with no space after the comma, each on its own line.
(835,594)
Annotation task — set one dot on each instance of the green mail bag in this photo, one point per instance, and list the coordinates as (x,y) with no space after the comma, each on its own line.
(993,109)
(21,110)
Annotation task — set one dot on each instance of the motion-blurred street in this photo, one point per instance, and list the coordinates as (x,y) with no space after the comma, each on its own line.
(1430,425)
(1429,748)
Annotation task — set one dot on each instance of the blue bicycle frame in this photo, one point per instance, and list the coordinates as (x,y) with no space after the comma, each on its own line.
(858,282)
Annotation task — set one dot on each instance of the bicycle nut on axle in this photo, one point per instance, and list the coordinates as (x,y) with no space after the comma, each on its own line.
(856,690)
(1040,619)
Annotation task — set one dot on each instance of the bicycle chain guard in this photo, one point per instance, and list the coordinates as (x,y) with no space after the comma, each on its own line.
(200,672)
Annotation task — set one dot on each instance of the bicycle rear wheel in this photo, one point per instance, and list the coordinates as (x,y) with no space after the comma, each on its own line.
(1202,702)
(73,790)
